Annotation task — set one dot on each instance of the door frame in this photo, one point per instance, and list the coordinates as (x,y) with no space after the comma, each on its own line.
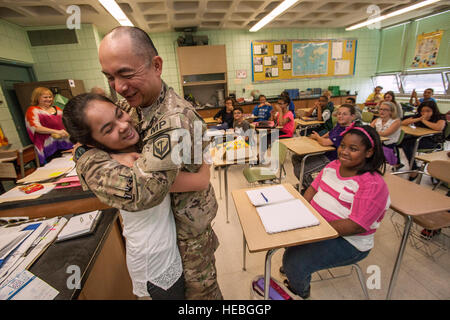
(30,70)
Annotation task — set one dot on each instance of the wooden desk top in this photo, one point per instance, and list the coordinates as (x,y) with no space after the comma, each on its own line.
(428,157)
(418,132)
(224,162)
(412,199)
(305,145)
(307,123)
(55,203)
(257,237)
(210,120)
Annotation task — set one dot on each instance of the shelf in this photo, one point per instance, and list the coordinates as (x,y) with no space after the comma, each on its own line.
(202,83)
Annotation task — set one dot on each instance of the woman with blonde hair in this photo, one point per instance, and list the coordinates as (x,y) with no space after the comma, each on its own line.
(44,125)
(388,126)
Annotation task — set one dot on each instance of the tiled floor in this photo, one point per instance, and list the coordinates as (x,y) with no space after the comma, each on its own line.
(420,277)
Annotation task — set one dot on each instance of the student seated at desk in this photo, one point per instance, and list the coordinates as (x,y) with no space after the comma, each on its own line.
(323,110)
(427,95)
(240,125)
(358,112)
(262,110)
(225,116)
(153,259)
(390,97)
(291,103)
(427,116)
(285,118)
(388,125)
(350,193)
(345,116)
(376,96)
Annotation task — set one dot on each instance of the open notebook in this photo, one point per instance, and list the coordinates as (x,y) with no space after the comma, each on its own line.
(279,210)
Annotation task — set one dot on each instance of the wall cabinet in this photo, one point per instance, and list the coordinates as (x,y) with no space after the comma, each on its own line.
(203,73)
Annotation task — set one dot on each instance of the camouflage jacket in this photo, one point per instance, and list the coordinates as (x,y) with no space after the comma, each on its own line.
(165,127)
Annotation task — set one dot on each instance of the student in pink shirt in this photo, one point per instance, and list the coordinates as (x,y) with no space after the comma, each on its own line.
(351,195)
(286,118)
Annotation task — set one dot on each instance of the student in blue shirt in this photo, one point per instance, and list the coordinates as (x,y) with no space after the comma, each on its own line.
(427,95)
(291,107)
(262,110)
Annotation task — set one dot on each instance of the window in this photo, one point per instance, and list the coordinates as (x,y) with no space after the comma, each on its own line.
(388,82)
(420,82)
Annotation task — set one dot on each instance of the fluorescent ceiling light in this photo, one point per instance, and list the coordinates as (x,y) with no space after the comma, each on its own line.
(392,14)
(286,4)
(113,8)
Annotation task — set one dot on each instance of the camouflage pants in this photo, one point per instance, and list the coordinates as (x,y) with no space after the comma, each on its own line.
(199,266)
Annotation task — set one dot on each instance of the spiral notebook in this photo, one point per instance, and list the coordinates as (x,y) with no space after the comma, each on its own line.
(280,211)
(79,225)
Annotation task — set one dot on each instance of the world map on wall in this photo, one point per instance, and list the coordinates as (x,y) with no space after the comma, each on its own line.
(310,58)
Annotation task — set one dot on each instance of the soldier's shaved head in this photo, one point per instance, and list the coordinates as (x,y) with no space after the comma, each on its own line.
(141,41)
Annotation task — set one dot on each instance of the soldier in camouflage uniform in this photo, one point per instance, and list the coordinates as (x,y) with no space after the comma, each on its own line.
(161,117)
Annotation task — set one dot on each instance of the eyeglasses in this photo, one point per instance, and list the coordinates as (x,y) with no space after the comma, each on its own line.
(382,109)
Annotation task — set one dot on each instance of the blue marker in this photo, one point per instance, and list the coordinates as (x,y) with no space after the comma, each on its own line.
(264,197)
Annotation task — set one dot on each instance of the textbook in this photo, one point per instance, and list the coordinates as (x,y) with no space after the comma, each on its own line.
(80,225)
(279,210)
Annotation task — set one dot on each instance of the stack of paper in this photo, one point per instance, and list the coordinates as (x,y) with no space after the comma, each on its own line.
(21,245)
(26,286)
(279,210)
(79,225)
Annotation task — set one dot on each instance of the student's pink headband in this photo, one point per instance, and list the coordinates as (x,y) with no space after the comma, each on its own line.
(352,126)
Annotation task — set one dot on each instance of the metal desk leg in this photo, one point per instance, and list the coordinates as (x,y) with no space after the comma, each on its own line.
(244,241)
(302,169)
(220,181)
(267,271)
(401,250)
(225,179)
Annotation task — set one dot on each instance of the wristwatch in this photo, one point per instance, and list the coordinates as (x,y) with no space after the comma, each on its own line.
(80,151)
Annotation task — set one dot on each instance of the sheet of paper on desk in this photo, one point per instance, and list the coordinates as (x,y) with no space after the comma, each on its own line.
(16,195)
(272,194)
(286,216)
(27,261)
(26,286)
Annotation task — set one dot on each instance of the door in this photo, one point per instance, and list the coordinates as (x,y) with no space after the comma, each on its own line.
(10,74)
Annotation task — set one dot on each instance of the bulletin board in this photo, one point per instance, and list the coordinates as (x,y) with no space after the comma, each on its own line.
(297,59)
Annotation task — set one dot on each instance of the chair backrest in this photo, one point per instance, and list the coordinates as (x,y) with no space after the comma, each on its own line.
(282,151)
(25,156)
(7,171)
(440,169)
(400,137)
(367,117)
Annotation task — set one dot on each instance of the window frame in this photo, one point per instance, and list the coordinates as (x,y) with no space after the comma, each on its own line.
(445,77)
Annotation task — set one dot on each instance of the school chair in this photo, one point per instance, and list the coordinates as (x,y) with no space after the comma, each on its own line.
(25,160)
(367,117)
(262,173)
(440,170)
(361,278)
(440,144)
(397,150)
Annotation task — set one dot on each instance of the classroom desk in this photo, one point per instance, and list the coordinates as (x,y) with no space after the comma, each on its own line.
(225,163)
(304,125)
(55,203)
(305,147)
(210,121)
(411,200)
(428,157)
(419,133)
(100,257)
(257,239)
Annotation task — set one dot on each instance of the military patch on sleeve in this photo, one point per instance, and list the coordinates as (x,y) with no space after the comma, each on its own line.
(161,146)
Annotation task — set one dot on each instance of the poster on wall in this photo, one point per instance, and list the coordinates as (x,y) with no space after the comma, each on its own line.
(427,48)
